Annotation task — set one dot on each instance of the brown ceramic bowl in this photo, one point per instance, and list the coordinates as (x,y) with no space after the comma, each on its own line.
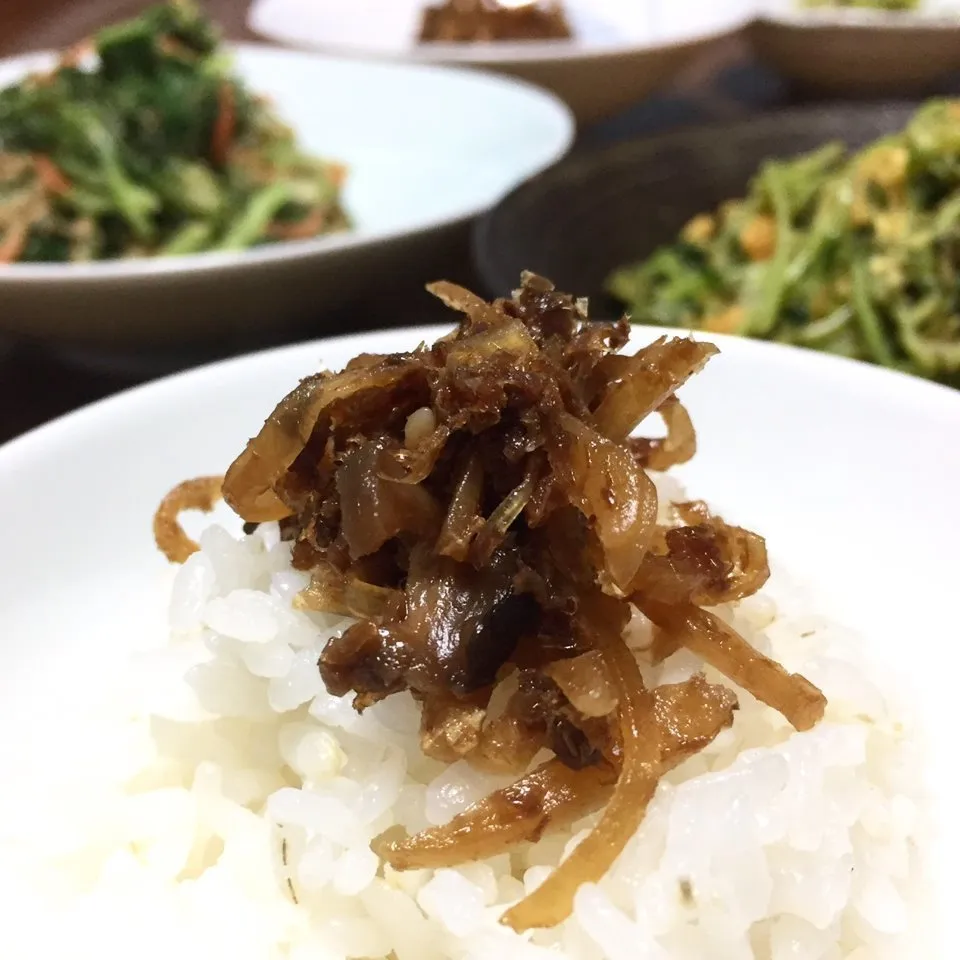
(577,221)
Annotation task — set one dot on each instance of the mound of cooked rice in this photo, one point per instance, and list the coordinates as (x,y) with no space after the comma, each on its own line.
(231,801)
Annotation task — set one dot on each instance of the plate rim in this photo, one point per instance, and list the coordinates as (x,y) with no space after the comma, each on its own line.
(856,20)
(924,395)
(503,54)
(149,269)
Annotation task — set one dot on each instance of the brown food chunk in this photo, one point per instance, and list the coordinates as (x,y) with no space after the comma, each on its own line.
(478,21)
(706,562)
(460,626)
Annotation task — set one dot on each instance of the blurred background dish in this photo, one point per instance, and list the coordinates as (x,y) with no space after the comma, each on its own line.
(427,148)
(143,142)
(859,50)
(582,219)
(619,51)
(722,81)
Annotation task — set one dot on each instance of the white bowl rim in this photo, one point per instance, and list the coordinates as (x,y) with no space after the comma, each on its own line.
(923,395)
(148,268)
(857,19)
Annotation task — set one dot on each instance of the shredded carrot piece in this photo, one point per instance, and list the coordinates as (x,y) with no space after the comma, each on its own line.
(51,177)
(172,47)
(73,56)
(224,126)
(13,242)
(309,226)
(337,172)
(202,493)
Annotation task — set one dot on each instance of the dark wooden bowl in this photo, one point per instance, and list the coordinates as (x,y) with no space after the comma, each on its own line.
(577,221)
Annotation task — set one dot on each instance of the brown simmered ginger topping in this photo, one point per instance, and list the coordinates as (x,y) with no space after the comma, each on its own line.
(483,510)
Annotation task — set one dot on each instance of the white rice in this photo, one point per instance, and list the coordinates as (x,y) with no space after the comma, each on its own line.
(228,806)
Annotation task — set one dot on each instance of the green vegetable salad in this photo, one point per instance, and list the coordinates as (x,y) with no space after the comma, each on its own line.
(854,255)
(141,143)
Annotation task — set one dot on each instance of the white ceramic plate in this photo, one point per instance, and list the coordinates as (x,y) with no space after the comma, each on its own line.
(427,148)
(851,473)
(644,42)
(860,51)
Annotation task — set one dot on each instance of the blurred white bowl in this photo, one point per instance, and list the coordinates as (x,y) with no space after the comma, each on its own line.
(427,148)
(860,52)
(620,51)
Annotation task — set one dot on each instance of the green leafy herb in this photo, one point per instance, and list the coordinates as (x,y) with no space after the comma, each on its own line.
(142,142)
